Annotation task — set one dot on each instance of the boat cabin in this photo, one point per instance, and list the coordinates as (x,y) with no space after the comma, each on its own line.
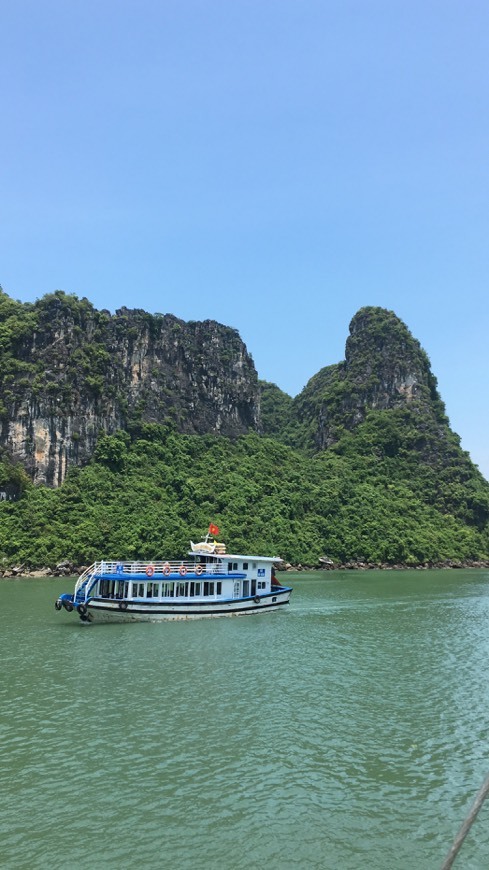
(206,576)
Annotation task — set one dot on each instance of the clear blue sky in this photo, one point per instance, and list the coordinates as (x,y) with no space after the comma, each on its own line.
(271,164)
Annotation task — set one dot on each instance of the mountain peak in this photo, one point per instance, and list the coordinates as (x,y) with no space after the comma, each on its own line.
(382,355)
(384,368)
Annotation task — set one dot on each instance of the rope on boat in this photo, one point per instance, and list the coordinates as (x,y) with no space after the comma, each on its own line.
(464,830)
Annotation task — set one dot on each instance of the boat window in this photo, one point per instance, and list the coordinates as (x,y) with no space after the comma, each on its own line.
(149,590)
(134,590)
(262,584)
(237,589)
(208,588)
(245,566)
(104,588)
(197,588)
(218,587)
(230,566)
(141,590)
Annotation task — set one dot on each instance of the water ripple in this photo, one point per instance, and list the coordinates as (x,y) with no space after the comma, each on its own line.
(349,732)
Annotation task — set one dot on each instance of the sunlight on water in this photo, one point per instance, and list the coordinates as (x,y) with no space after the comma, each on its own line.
(350,731)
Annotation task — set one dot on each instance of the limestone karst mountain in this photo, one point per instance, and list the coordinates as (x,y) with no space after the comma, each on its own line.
(69,372)
(384,368)
(164,424)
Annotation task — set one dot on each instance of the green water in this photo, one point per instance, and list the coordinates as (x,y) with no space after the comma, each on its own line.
(349,731)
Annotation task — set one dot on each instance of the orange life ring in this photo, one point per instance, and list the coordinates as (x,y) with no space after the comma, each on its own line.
(182,570)
(199,570)
(166,570)
(150,571)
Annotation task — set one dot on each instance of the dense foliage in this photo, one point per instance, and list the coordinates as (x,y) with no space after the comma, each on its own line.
(275,409)
(361,466)
(146,493)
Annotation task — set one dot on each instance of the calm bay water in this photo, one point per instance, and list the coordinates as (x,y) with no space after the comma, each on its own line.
(350,731)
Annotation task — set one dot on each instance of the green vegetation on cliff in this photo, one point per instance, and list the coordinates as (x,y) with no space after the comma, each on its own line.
(384,368)
(68,371)
(362,466)
(145,495)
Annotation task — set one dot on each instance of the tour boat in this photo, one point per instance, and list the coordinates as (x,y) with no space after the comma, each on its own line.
(209,583)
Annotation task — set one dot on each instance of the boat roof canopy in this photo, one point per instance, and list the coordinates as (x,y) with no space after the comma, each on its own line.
(229,556)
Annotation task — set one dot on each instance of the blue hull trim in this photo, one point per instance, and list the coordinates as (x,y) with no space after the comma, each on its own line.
(158,610)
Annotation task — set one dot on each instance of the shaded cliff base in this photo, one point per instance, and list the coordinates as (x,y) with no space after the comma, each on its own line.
(384,566)
(68,569)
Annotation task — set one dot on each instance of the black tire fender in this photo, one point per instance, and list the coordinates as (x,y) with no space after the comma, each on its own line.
(256,599)
(68,606)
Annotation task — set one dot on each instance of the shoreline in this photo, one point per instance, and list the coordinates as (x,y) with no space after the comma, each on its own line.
(68,569)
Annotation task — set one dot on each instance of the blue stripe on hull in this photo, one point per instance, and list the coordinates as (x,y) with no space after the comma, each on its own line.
(181,609)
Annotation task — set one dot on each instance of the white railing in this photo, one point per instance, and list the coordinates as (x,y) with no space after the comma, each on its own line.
(181,567)
(83,577)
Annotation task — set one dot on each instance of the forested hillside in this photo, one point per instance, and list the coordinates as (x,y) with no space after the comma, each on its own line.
(361,467)
(147,496)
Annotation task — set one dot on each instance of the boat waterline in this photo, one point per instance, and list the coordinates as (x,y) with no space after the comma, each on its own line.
(156,611)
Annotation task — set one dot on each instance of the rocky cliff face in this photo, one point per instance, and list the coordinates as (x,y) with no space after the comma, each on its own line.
(69,372)
(385,368)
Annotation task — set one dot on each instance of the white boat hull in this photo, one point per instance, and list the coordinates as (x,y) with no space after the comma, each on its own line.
(106,610)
